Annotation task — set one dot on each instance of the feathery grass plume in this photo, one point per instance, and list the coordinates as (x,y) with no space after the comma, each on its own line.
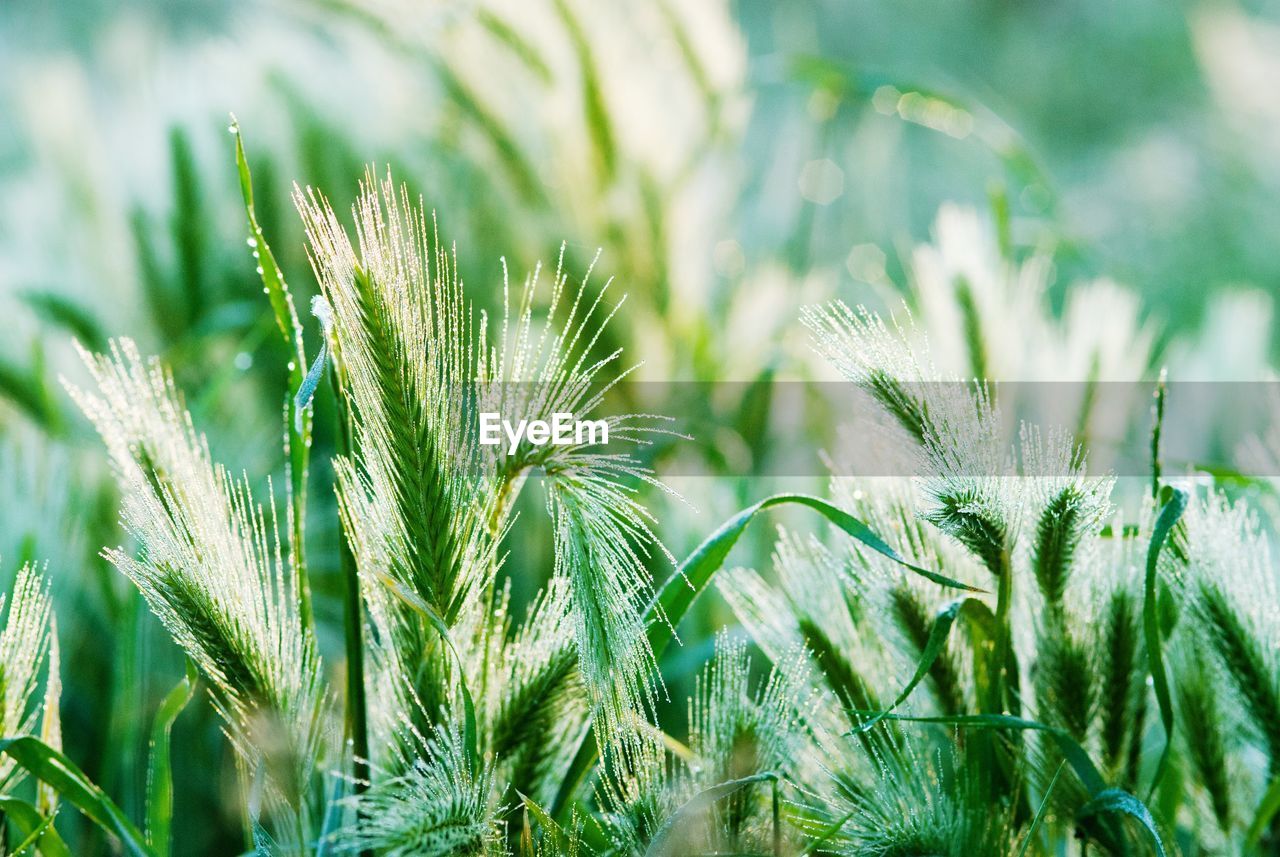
(889,506)
(538,709)
(1204,729)
(436,807)
(1235,607)
(743,743)
(25,643)
(637,793)
(1065,678)
(601,547)
(1120,677)
(417,373)
(211,568)
(973,498)
(918,801)
(1068,506)
(1247,662)
(812,608)
(736,733)
(958,426)
(989,316)
(882,362)
(603,537)
(402,332)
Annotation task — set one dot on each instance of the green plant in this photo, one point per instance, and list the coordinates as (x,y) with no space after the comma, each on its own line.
(939,682)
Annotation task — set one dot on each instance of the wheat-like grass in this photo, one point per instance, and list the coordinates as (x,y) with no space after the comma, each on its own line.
(26,644)
(211,567)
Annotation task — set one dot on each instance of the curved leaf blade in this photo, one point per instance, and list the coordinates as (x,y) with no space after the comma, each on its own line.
(699,803)
(1042,811)
(695,573)
(1168,518)
(1075,755)
(54,769)
(159,767)
(1267,809)
(1118,802)
(37,829)
(934,645)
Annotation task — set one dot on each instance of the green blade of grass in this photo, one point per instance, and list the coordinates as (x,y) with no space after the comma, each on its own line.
(61,311)
(54,769)
(599,124)
(700,802)
(33,837)
(1118,802)
(517,44)
(37,829)
(1168,517)
(297,421)
(1042,810)
(1071,750)
(1267,809)
(827,833)
(272,277)
(695,573)
(160,769)
(936,642)
(551,830)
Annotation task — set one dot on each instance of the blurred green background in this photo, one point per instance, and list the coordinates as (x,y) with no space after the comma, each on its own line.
(732,161)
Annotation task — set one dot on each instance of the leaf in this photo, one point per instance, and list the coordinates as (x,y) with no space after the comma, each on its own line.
(936,642)
(1168,517)
(1118,802)
(263,844)
(55,769)
(159,769)
(36,834)
(827,833)
(272,277)
(307,388)
(25,389)
(1266,811)
(695,573)
(599,125)
(552,831)
(36,828)
(1041,812)
(516,43)
(189,227)
(1075,754)
(576,774)
(699,803)
(60,310)
(286,316)
(332,816)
